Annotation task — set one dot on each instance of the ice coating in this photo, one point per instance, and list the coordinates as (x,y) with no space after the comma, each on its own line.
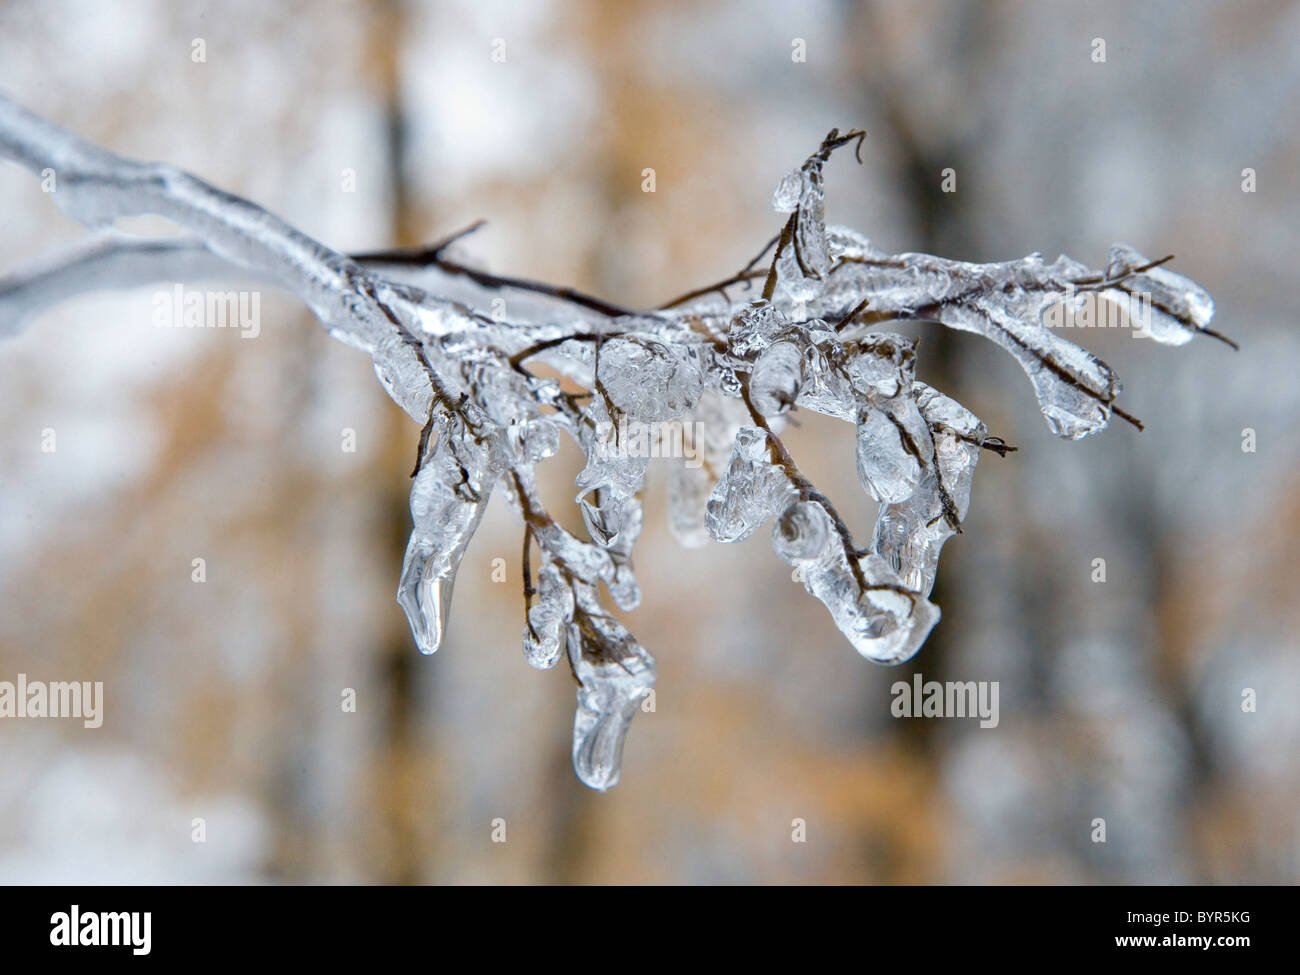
(893,448)
(817,331)
(608,494)
(909,533)
(1170,308)
(804,263)
(649,380)
(869,603)
(709,440)
(548,618)
(777,378)
(751,490)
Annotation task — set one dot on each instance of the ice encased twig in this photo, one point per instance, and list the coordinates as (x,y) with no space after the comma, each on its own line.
(732,366)
(448,497)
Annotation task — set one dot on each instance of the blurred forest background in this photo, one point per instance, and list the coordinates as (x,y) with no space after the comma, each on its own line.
(1120,700)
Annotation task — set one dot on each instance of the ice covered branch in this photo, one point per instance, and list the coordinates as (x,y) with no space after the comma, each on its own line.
(733,357)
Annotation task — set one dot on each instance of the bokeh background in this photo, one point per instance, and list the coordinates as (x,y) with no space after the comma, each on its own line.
(1119,700)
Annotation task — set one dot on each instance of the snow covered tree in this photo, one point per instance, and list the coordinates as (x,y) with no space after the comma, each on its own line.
(481,362)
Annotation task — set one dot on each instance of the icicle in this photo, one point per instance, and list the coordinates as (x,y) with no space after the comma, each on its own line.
(448,497)
(615,673)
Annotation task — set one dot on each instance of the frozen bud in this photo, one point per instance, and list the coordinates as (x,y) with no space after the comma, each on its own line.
(777,378)
(802,533)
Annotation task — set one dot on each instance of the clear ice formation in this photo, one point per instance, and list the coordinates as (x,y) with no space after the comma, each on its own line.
(727,368)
